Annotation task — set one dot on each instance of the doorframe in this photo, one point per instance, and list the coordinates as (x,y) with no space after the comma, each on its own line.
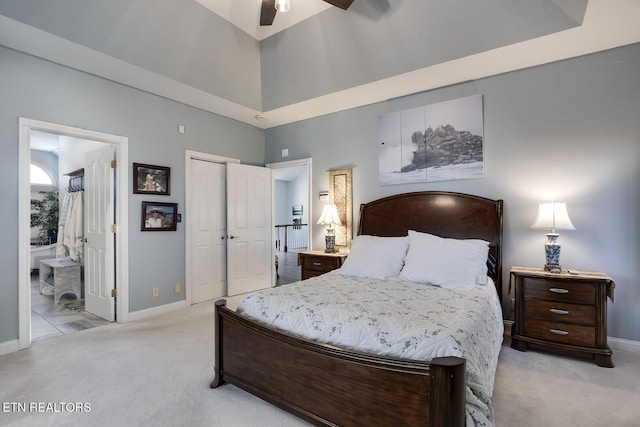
(121,257)
(190,155)
(288,164)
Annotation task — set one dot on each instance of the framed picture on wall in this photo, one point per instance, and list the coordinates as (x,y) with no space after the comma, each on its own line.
(158,216)
(150,179)
(437,142)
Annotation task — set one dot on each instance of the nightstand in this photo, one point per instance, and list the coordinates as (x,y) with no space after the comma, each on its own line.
(315,263)
(561,312)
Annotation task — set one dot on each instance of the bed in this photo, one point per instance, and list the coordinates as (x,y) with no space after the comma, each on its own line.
(328,384)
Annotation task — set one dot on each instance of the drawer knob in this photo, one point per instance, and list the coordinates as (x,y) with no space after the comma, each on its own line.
(558,332)
(316,263)
(559,290)
(558,311)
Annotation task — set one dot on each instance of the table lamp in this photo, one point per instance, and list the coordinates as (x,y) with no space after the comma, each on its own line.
(552,216)
(330,217)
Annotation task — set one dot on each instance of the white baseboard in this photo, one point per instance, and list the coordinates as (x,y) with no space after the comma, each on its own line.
(10,346)
(155,311)
(623,345)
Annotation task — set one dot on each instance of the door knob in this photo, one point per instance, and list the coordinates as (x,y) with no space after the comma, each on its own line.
(234,237)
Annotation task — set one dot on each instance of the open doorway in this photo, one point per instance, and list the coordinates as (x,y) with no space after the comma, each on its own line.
(67,150)
(292,208)
(56,248)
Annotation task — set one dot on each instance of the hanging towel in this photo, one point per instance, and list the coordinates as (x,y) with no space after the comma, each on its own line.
(74,228)
(65,209)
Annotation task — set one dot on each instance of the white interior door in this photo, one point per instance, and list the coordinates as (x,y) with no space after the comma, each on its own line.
(208,219)
(99,246)
(249,227)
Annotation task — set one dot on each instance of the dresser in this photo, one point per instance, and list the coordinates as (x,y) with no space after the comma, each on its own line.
(315,263)
(561,312)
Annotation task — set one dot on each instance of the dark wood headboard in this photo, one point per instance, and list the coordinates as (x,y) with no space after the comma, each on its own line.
(445,214)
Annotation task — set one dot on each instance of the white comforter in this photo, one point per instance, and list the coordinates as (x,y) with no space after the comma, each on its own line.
(394,317)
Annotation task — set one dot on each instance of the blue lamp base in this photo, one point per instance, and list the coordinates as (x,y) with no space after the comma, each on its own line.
(552,253)
(330,241)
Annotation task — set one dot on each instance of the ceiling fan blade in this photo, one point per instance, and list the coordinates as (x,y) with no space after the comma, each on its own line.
(342,4)
(267,12)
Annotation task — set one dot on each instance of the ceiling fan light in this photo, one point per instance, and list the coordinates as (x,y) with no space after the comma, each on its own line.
(283,5)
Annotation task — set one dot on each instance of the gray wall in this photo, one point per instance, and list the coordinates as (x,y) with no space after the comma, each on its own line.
(377,39)
(287,194)
(568,131)
(281,208)
(298,189)
(40,90)
(181,40)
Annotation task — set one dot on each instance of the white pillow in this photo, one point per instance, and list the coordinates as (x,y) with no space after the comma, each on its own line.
(375,257)
(450,263)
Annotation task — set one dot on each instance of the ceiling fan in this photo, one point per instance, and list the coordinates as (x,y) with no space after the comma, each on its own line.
(268,10)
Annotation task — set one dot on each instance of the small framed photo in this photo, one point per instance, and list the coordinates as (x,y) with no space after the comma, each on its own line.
(150,179)
(157,216)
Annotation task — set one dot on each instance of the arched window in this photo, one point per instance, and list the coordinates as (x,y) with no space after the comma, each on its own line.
(39,176)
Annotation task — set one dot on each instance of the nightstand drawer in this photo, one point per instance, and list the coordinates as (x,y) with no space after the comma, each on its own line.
(561,332)
(560,312)
(323,264)
(554,290)
(315,263)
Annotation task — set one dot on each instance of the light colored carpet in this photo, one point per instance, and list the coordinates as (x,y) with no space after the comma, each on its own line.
(537,389)
(157,372)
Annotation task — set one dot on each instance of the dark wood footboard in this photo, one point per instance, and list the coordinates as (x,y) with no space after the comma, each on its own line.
(326,385)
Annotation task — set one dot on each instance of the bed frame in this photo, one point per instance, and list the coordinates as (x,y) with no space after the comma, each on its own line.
(326,385)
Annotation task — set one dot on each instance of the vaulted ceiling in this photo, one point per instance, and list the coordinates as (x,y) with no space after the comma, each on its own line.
(316,59)
(245,14)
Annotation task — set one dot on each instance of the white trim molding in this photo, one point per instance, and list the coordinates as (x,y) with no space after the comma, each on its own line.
(10,346)
(156,311)
(624,345)
(122,209)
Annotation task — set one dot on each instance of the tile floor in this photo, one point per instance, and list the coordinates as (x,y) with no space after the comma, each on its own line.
(49,320)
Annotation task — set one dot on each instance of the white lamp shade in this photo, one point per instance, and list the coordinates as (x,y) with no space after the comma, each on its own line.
(553,216)
(329,216)
(283,5)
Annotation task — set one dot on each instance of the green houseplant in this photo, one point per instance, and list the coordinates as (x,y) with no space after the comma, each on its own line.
(45,214)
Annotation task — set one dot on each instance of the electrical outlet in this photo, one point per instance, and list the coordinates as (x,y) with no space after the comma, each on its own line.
(156,292)
(177,287)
